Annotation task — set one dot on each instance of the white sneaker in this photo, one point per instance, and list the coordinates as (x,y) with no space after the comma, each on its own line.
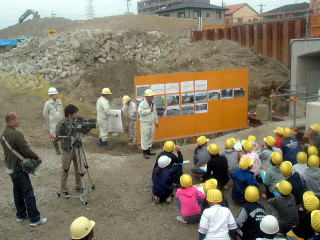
(181,219)
(21,219)
(40,222)
(168,200)
(156,200)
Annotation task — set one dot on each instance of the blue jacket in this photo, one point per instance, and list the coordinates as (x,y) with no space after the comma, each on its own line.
(242,179)
(290,148)
(163,184)
(297,187)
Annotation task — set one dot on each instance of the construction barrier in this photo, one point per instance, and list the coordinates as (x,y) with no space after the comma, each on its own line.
(192,104)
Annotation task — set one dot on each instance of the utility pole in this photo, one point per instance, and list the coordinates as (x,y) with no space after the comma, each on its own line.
(261,6)
(53,14)
(222,3)
(90,12)
(128,5)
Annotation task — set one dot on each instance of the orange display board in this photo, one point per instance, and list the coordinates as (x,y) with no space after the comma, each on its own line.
(196,103)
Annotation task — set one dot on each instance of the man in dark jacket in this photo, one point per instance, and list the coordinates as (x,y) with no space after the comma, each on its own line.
(290,146)
(24,199)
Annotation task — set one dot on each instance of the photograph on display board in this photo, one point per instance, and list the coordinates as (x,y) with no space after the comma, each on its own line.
(139,100)
(172,88)
(187,86)
(141,89)
(161,111)
(239,92)
(159,101)
(201,107)
(227,93)
(201,96)
(173,99)
(187,98)
(173,111)
(188,109)
(214,94)
(201,85)
(157,89)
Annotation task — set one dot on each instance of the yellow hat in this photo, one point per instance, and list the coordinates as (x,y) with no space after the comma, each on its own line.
(202,140)
(214,196)
(186,180)
(125,99)
(313,161)
(270,141)
(308,193)
(287,132)
(148,93)
(315,220)
(251,194)
(302,157)
(106,91)
(81,227)
(286,168)
(278,130)
(210,184)
(312,150)
(315,127)
(247,145)
(213,149)
(245,163)
(310,202)
(252,138)
(284,187)
(230,143)
(276,158)
(169,146)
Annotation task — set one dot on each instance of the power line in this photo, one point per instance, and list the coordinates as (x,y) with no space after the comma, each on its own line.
(90,12)
(261,6)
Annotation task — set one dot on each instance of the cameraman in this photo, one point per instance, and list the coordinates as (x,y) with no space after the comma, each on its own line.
(71,112)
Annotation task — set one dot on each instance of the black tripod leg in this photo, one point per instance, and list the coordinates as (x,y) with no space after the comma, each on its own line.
(85,163)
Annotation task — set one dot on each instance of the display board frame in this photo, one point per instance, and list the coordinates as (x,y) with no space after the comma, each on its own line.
(219,110)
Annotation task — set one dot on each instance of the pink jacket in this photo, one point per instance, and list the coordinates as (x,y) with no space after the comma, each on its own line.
(189,200)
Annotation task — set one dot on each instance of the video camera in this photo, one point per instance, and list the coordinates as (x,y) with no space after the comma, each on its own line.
(78,125)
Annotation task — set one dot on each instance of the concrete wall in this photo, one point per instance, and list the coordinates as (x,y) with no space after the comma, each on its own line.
(189,13)
(305,69)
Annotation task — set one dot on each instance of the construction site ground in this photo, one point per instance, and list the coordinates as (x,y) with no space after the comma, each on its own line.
(121,204)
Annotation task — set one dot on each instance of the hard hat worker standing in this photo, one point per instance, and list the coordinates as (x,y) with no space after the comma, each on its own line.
(53,113)
(130,110)
(104,113)
(148,119)
(82,228)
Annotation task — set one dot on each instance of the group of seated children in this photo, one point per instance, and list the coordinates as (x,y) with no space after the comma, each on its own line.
(288,170)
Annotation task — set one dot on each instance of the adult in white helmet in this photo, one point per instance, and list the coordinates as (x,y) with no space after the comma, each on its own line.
(104,114)
(269,225)
(130,110)
(148,120)
(82,228)
(53,113)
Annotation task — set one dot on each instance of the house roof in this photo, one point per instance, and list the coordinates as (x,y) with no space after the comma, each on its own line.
(198,5)
(233,8)
(289,8)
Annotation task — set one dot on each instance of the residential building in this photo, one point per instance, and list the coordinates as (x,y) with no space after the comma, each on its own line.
(210,14)
(240,13)
(287,11)
(151,6)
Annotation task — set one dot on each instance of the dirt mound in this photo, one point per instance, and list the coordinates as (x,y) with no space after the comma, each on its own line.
(116,75)
(37,27)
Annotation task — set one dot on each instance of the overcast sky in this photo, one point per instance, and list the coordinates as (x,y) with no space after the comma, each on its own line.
(76,9)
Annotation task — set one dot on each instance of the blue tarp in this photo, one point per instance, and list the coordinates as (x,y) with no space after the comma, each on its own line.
(11,42)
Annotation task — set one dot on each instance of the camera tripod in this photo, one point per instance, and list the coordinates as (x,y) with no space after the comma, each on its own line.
(76,146)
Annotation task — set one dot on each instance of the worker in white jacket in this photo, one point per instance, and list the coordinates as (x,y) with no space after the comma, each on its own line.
(148,119)
(104,114)
(53,113)
(130,111)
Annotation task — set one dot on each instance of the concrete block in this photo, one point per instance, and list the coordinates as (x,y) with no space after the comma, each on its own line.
(313,113)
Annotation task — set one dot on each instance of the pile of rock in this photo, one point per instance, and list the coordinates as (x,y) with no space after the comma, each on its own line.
(70,53)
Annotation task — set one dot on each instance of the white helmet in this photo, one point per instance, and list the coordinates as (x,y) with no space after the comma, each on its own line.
(269,224)
(164,161)
(52,91)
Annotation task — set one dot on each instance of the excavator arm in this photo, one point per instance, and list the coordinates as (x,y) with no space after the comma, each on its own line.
(27,13)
